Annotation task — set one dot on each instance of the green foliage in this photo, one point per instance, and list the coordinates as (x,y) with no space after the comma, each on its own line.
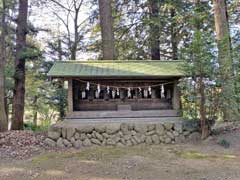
(224,143)
(44,126)
(200,64)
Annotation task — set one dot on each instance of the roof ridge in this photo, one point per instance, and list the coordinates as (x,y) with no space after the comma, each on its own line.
(116,61)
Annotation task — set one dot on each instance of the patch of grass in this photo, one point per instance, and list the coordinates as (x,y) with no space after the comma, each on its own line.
(196,155)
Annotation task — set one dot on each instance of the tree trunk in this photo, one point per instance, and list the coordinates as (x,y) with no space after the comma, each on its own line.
(154,29)
(106,23)
(224,55)
(174,36)
(204,126)
(19,76)
(35,112)
(3,114)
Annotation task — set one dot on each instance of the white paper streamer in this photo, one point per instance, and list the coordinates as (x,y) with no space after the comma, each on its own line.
(113,94)
(150,90)
(83,94)
(129,92)
(162,91)
(118,93)
(145,93)
(98,88)
(88,86)
(96,94)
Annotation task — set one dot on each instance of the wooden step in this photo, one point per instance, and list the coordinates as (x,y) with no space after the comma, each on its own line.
(122,114)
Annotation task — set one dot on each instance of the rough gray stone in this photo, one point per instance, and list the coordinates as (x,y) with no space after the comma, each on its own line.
(87,142)
(178,127)
(60,143)
(129,143)
(95,141)
(151,127)
(70,133)
(116,138)
(83,136)
(110,142)
(175,133)
(120,144)
(143,138)
(161,138)
(64,133)
(168,125)
(85,129)
(94,134)
(99,136)
(133,133)
(148,140)
(100,128)
(194,137)
(127,137)
(168,140)
(130,126)
(141,128)
(113,128)
(105,135)
(54,134)
(180,139)
(72,140)
(170,135)
(77,144)
(66,143)
(186,133)
(89,136)
(150,133)
(120,133)
(134,142)
(160,130)
(137,138)
(50,142)
(77,136)
(124,128)
(155,139)
(122,141)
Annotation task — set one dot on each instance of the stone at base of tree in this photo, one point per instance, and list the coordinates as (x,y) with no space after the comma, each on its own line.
(194,137)
(50,142)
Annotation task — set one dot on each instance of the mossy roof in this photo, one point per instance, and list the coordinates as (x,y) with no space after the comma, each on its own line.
(116,68)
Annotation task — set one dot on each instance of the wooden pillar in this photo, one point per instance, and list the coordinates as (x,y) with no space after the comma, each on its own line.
(70,96)
(176,96)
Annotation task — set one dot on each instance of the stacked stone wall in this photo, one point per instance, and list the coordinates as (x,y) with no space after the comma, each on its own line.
(119,134)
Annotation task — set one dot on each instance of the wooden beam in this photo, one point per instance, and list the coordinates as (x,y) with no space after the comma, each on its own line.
(70,96)
(176,96)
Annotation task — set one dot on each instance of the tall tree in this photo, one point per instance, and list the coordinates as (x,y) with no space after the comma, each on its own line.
(106,23)
(154,9)
(3,114)
(224,55)
(19,76)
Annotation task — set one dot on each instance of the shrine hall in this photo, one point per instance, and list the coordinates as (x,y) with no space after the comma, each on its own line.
(112,89)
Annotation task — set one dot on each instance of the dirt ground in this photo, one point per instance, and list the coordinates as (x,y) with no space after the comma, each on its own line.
(205,160)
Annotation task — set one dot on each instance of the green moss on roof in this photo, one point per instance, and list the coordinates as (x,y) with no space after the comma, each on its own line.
(108,68)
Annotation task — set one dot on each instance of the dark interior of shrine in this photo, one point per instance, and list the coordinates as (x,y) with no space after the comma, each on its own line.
(122,94)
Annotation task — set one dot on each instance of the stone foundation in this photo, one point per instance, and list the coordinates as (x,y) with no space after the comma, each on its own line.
(119,134)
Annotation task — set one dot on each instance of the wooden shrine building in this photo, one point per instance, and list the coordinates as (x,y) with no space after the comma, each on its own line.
(120,89)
